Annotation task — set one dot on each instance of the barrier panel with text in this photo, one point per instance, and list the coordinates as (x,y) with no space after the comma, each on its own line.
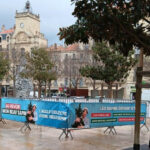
(92,115)
(53,114)
(72,115)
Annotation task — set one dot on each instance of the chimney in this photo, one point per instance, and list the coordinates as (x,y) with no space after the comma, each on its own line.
(3,28)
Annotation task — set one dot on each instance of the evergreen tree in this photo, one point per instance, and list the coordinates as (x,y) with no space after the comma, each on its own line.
(124,22)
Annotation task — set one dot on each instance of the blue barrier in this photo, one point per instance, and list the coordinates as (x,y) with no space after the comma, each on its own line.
(67,115)
(105,114)
(53,114)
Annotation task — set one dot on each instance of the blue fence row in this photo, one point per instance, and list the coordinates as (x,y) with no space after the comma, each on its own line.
(72,115)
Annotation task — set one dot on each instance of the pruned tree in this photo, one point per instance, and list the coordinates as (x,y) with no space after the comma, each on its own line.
(17,59)
(38,67)
(52,76)
(72,65)
(111,65)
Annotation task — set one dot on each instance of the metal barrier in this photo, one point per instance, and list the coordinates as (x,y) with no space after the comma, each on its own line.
(62,112)
(83,100)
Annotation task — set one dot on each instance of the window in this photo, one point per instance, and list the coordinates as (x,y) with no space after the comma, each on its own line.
(14,53)
(7,38)
(0,47)
(56,68)
(0,39)
(81,56)
(7,47)
(66,82)
(81,82)
(74,82)
(66,56)
(66,69)
(74,56)
(22,51)
(55,83)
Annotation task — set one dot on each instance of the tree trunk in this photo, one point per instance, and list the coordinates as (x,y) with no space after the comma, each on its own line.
(49,88)
(45,89)
(39,90)
(116,90)
(0,90)
(102,90)
(14,82)
(33,90)
(94,84)
(110,94)
(14,87)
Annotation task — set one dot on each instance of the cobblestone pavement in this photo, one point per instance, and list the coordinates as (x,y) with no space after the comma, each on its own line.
(44,138)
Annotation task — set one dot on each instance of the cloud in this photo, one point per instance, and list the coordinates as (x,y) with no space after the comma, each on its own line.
(53,15)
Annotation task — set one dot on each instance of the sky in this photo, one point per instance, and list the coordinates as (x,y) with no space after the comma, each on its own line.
(53,15)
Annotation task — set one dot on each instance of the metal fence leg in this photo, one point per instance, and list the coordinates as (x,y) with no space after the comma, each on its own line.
(115,130)
(67,132)
(63,132)
(26,126)
(106,130)
(3,121)
(111,130)
(144,125)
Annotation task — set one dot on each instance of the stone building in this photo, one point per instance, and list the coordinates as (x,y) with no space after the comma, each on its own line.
(68,60)
(23,37)
(27,34)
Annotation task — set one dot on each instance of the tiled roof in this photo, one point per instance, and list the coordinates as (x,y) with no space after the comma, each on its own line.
(7,31)
(72,47)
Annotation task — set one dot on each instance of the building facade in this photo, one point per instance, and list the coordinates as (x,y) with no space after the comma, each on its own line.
(68,60)
(23,37)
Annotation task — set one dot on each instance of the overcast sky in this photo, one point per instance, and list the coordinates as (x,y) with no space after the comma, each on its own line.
(53,14)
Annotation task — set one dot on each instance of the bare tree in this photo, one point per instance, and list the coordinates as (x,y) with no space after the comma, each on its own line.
(17,59)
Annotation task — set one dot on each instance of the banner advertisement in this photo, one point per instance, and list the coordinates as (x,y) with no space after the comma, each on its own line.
(52,114)
(72,115)
(93,115)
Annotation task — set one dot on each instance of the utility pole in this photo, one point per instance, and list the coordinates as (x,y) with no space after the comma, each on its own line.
(136,145)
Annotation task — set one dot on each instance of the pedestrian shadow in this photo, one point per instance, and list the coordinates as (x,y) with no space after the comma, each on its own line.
(142,147)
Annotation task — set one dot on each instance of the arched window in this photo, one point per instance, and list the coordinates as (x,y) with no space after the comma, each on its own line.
(22,51)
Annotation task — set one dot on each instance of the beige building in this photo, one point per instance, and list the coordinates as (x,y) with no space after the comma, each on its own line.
(27,33)
(69,59)
(23,37)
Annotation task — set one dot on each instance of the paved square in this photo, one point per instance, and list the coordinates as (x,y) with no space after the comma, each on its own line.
(44,138)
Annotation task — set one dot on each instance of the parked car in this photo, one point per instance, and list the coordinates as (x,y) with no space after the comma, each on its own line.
(58,95)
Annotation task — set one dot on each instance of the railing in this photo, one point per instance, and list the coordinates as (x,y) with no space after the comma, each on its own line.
(82,100)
